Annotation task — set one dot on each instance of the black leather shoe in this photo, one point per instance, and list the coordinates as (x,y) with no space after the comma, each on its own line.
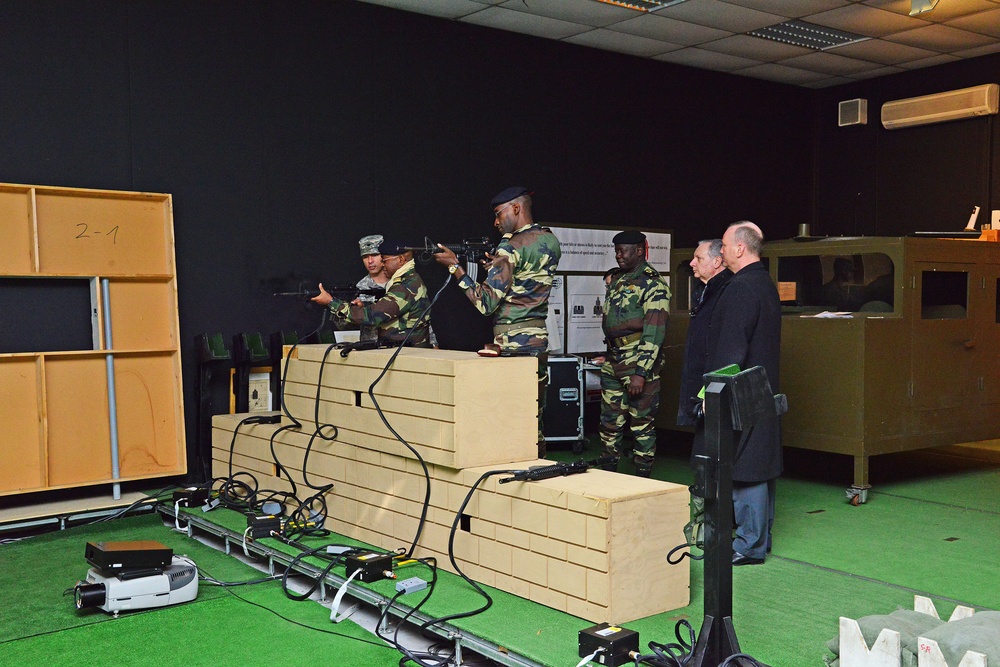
(740,559)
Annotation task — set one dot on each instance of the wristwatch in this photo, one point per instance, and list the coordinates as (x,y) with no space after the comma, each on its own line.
(452,269)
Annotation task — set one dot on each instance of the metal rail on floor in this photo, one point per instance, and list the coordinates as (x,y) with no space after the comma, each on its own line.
(449,632)
(71,518)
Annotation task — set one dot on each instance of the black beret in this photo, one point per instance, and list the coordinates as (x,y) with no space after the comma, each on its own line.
(629,237)
(393,247)
(508,195)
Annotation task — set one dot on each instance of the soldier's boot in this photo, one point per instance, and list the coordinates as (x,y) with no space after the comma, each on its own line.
(542,449)
(643,468)
(610,466)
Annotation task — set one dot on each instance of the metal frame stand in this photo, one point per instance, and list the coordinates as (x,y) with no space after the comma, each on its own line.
(733,402)
(717,638)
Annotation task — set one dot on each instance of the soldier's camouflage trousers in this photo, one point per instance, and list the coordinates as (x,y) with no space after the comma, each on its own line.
(617,405)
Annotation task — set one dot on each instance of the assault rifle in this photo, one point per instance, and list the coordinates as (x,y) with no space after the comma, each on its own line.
(471,251)
(535,473)
(342,293)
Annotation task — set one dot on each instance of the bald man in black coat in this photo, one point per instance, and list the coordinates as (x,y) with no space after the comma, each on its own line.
(746,330)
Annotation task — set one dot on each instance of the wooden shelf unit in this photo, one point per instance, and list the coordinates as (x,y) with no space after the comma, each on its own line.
(55,425)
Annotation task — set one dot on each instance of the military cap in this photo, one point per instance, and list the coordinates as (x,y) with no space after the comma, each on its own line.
(393,247)
(369,244)
(629,237)
(508,195)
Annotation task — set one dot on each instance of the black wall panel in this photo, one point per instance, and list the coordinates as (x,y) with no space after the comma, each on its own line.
(874,181)
(287,130)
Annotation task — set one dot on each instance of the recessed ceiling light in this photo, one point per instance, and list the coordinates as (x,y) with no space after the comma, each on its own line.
(921,6)
(809,35)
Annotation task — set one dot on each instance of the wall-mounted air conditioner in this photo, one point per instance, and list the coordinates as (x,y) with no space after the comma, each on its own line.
(941,107)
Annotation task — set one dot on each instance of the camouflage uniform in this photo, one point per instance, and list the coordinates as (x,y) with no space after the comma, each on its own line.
(516,289)
(395,313)
(368,332)
(516,293)
(635,326)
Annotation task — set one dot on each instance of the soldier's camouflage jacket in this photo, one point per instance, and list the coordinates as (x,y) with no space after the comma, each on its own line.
(517,285)
(395,313)
(637,301)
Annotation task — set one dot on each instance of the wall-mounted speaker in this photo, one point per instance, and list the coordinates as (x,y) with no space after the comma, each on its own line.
(852,112)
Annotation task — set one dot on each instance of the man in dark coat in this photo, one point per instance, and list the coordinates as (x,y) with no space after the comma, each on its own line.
(712,276)
(745,329)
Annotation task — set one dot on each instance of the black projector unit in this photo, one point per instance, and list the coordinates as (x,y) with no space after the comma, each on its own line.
(114,557)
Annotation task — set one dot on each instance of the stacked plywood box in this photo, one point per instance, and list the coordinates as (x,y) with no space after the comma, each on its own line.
(591,544)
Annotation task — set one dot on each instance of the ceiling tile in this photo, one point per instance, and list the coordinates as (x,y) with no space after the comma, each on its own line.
(594,14)
(622,43)
(721,15)
(881,51)
(781,73)
(529,24)
(946,10)
(829,63)
(709,34)
(706,59)
(791,8)
(929,62)
(865,20)
(981,51)
(449,9)
(940,38)
(881,71)
(671,30)
(757,48)
(985,23)
(826,83)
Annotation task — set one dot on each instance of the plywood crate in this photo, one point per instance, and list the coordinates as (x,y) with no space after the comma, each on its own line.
(592,544)
(435,399)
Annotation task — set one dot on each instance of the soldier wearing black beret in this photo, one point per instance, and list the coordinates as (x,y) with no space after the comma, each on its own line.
(635,326)
(516,290)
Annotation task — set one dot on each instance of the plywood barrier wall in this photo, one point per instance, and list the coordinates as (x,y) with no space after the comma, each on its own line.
(55,419)
(592,544)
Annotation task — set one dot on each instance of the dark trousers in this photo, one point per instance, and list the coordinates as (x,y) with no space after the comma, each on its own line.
(753,511)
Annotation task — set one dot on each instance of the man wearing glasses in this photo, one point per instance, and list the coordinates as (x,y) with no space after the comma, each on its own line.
(396,313)
(516,290)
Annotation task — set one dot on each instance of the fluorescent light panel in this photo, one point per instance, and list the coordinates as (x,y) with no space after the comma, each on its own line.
(643,5)
(808,35)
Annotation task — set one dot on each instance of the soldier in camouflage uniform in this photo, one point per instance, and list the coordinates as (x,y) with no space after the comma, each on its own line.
(375,278)
(516,289)
(635,325)
(399,310)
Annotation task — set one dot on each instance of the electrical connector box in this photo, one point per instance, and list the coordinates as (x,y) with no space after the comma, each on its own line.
(373,566)
(192,496)
(262,526)
(617,642)
(411,585)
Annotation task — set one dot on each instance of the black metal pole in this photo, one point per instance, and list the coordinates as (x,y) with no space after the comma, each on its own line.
(717,638)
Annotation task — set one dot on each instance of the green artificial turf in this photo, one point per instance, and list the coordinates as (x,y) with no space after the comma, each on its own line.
(39,625)
(930,527)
